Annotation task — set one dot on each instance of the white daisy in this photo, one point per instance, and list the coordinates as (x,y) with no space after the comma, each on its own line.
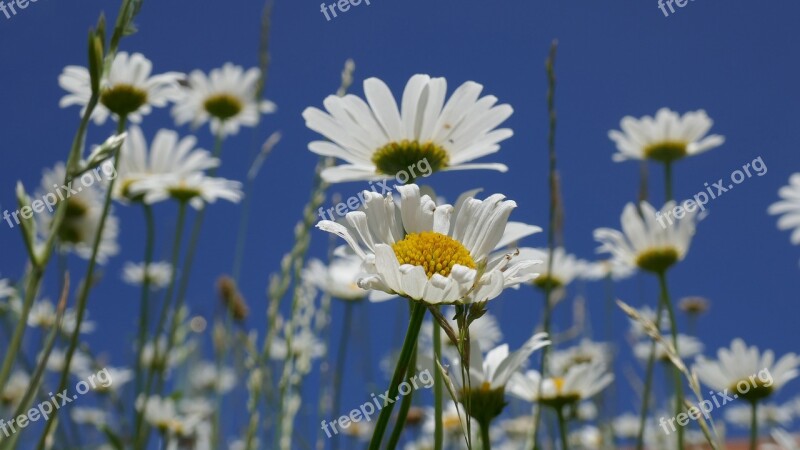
(580,382)
(43,314)
(789,208)
(85,203)
(6,289)
(339,279)
(626,426)
(435,254)
(127,89)
(196,188)
(206,377)
(607,268)
(167,155)
(89,416)
(769,415)
(566,267)
(495,370)
(588,437)
(79,364)
(158,274)
(665,138)
(15,389)
(645,244)
(743,370)
(378,140)
(226,98)
(586,352)
(114,378)
(783,441)
(688,346)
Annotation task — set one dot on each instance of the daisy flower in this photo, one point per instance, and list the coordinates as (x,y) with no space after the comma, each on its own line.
(608,268)
(196,188)
(666,137)
(378,140)
(339,279)
(206,377)
(580,382)
(433,254)
(126,90)
(752,375)
(6,289)
(168,154)
(158,274)
(789,208)
(586,352)
(566,267)
(16,386)
(226,98)
(85,204)
(89,416)
(688,346)
(643,242)
(783,441)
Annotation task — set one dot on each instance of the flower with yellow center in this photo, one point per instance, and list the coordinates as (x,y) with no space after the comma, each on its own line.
(565,267)
(580,382)
(666,137)
(425,134)
(436,254)
(339,279)
(647,240)
(226,98)
(128,89)
(196,188)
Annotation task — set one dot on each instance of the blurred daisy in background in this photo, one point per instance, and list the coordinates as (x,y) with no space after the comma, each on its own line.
(339,279)
(769,415)
(226,98)
(84,212)
(196,189)
(429,253)
(168,154)
(585,352)
(666,137)
(643,242)
(378,140)
(688,346)
(580,382)
(128,89)
(565,267)
(158,274)
(746,371)
(789,208)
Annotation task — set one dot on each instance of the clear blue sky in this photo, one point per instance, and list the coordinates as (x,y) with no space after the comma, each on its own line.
(735,59)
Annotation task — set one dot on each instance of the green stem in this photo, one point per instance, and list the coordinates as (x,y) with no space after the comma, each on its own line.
(438,431)
(662,279)
(144,307)
(341,360)
(86,286)
(648,382)
(668,180)
(562,428)
(754,426)
(486,440)
(405,406)
(409,344)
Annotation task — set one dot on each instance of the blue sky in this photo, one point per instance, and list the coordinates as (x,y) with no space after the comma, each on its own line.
(733,59)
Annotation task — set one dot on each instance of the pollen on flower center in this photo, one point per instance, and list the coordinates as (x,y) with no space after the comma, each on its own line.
(183,192)
(435,252)
(123,99)
(397,157)
(657,260)
(753,389)
(223,106)
(666,151)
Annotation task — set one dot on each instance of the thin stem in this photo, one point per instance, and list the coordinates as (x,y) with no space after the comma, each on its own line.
(552,214)
(341,360)
(409,344)
(648,382)
(405,406)
(486,440)
(754,426)
(86,286)
(665,299)
(438,430)
(562,428)
(144,307)
(668,180)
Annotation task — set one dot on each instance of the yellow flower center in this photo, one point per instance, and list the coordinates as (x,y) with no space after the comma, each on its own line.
(397,157)
(223,106)
(73,228)
(559,384)
(433,251)
(183,193)
(658,259)
(666,151)
(543,281)
(123,99)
